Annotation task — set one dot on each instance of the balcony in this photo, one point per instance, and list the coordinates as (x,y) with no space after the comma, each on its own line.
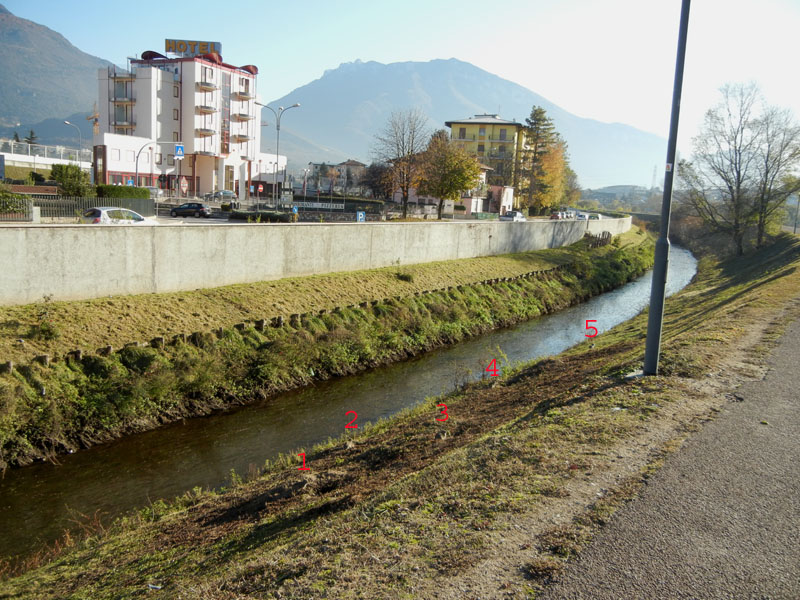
(241,137)
(244,95)
(207,86)
(242,117)
(121,74)
(127,123)
(123,100)
(204,132)
(204,109)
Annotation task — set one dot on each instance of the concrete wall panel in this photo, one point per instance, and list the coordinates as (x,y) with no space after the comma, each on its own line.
(72,262)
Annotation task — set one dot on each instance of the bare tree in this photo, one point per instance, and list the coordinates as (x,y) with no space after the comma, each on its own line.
(779,154)
(738,174)
(399,145)
(722,177)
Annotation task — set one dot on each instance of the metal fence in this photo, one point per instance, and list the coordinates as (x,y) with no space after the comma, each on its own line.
(17,210)
(53,208)
(55,152)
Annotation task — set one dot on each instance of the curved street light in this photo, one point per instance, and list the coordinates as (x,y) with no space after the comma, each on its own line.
(278,115)
(80,141)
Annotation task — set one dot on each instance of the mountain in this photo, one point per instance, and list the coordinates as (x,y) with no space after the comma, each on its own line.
(42,75)
(344,109)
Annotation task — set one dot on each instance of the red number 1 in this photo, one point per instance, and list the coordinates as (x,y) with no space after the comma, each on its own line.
(304,467)
(492,368)
(350,424)
(588,327)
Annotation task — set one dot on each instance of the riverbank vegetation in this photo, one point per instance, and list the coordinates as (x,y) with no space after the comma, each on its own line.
(489,502)
(86,398)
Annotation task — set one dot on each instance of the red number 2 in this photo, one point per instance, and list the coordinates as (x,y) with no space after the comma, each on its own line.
(492,368)
(444,412)
(588,327)
(350,424)
(304,467)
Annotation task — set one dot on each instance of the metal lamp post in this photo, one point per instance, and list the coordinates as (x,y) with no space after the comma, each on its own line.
(80,141)
(278,115)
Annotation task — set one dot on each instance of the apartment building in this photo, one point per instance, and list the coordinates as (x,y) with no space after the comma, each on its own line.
(191,101)
(495,142)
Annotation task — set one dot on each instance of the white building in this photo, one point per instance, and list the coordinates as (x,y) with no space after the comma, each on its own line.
(194,100)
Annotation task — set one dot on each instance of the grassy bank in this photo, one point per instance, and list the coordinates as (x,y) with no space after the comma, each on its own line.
(489,502)
(82,400)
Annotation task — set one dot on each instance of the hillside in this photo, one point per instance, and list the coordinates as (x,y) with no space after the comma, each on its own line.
(343,109)
(42,75)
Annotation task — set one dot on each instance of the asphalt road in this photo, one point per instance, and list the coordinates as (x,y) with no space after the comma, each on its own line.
(721,519)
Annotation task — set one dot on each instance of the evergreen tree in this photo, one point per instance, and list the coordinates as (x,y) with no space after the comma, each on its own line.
(541,139)
(31,138)
(16,137)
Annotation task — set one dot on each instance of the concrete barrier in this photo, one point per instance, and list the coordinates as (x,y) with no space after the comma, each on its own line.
(74,262)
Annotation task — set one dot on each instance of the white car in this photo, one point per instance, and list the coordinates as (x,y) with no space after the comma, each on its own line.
(513,215)
(111,215)
(582,217)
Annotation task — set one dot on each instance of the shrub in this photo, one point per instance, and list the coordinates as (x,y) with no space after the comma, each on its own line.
(122,191)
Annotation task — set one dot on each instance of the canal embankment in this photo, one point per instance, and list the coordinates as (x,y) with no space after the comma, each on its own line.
(489,501)
(69,399)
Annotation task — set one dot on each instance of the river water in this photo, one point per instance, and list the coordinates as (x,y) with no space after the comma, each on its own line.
(38,502)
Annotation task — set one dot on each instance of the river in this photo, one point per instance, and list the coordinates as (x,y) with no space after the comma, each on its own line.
(38,502)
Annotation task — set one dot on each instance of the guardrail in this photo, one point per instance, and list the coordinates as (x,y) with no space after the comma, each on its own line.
(66,207)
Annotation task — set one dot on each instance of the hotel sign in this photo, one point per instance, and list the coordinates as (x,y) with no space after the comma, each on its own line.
(188,48)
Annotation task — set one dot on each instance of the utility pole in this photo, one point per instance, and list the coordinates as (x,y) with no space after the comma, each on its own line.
(658,289)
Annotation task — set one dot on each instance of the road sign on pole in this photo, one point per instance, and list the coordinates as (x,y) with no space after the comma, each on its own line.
(178,151)
(361,216)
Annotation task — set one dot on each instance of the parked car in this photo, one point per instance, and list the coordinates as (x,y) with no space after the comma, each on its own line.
(155,193)
(111,215)
(220,196)
(556,216)
(195,209)
(582,217)
(595,217)
(513,215)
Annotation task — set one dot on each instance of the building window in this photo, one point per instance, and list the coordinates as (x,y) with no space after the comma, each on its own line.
(170,159)
(175,113)
(174,136)
(158,158)
(462,133)
(482,131)
(501,150)
(480,148)
(115,154)
(502,134)
(175,91)
(130,155)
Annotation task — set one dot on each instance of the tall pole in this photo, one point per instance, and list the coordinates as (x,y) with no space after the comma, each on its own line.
(658,289)
(796,210)
(278,114)
(80,141)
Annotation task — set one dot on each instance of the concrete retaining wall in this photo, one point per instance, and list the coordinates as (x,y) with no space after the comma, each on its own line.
(72,262)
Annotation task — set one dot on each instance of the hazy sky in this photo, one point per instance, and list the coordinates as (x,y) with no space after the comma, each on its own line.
(610,60)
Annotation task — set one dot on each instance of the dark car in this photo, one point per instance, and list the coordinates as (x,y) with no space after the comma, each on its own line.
(194,209)
(221,196)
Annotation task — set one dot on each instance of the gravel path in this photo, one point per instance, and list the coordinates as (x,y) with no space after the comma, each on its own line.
(721,519)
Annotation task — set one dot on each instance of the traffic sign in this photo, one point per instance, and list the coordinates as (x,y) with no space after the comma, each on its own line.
(130,182)
(294,209)
(184,185)
(260,187)
(252,189)
(178,151)
(361,216)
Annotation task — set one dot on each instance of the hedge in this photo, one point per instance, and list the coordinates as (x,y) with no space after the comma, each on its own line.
(122,191)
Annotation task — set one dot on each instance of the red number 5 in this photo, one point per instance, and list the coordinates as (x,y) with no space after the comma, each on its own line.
(444,412)
(588,327)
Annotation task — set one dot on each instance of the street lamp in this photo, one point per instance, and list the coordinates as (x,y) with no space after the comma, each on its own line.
(80,141)
(278,114)
(136,177)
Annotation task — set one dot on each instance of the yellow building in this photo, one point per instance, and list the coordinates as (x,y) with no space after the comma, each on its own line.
(495,142)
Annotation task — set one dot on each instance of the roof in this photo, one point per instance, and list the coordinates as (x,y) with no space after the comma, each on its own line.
(351,163)
(483,120)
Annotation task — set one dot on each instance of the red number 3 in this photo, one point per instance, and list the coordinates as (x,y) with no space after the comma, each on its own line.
(444,412)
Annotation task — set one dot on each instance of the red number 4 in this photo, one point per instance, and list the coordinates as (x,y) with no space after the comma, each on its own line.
(588,327)
(492,368)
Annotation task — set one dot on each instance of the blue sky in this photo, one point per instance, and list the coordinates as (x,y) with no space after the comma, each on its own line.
(611,60)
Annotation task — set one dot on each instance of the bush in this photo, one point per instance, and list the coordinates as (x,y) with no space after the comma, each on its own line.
(122,191)
(460,207)
(260,216)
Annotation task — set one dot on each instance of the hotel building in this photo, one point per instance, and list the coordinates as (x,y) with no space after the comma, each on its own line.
(192,99)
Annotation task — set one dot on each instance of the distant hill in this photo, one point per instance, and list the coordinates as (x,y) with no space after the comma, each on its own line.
(342,110)
(42,75)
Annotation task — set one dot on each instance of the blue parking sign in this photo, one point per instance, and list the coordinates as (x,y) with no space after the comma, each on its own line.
(361,216)
(294,209)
